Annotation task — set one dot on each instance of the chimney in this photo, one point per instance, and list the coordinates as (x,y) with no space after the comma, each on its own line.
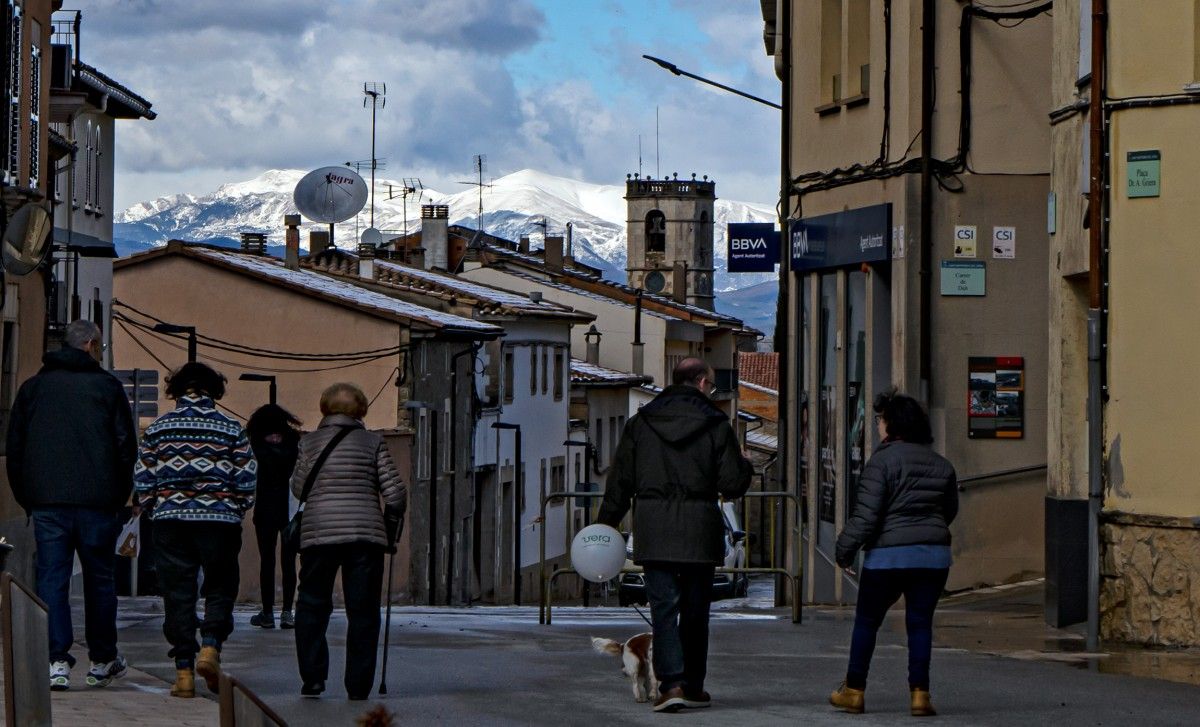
(366,261)
(569,254)
(291,242)
(593,345)
(254,243)
(318,242)
(416,257)
(553,252)
(679,286)
(523,245)
(435,221)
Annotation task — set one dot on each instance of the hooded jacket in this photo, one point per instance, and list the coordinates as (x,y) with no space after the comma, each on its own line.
(276,460)
(70,436)
(907,495)
(675,458)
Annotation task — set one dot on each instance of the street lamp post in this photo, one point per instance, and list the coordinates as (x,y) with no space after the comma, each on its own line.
(273,391)
(667,65)
(517,487)
(189,331)
(588,450)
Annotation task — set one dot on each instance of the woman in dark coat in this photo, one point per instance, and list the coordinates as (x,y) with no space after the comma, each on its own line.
(275,439)
(907,498)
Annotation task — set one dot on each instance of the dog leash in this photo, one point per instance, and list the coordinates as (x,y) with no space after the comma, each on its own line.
(639,612)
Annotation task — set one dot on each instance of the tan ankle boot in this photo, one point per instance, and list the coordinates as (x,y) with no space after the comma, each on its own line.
(847,699)
(208,665)
(185,684)
(922,706)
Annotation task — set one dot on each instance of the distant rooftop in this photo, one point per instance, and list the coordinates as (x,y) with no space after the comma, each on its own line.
(760,369)
(589,374)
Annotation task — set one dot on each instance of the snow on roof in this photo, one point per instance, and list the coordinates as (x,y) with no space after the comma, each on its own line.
(756,387)
(475,290)
(342,291)
(583,372)
(586,294)
(762,441)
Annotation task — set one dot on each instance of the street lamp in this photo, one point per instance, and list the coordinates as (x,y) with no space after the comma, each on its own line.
(667,65)
(517,488)
(262,377)
(189,331)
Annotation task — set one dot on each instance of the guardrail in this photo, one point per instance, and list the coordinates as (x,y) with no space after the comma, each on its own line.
(241,707)
(1001,474)
(26,687)
(545,607)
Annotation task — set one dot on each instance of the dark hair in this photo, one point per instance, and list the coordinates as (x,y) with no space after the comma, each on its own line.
(689,371)
(196,378)
(904,418)
(271,419)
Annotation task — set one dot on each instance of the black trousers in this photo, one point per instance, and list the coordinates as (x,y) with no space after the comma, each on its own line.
(362,580)
(267,537)
(182,551)
(680,595)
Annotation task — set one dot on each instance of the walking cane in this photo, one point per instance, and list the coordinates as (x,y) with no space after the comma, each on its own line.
(387,621)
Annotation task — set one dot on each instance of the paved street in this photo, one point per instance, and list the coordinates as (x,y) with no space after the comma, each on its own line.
(497,666)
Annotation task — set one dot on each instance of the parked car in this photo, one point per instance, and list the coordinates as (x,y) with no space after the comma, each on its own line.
(632,586)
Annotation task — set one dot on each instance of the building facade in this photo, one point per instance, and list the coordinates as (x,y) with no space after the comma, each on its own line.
(670,238)
(916,250)
(1149,589)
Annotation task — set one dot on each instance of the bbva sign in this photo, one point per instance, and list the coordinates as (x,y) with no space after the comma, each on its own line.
(753,247)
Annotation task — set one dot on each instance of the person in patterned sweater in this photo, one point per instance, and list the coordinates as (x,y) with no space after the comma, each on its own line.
(196,475)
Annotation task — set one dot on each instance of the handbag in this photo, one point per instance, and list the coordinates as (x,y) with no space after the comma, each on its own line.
(291,532)
(129,542)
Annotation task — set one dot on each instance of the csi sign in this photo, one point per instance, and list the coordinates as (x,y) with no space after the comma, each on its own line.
(753,247)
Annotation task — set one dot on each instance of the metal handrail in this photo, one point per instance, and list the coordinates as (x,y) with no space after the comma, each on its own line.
(546,597)
(1000,474)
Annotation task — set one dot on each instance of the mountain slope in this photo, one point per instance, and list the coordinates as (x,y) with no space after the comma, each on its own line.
(513,206)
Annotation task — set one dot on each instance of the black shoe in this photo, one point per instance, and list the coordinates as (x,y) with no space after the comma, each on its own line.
(263,620)
(312,689)
(287,620)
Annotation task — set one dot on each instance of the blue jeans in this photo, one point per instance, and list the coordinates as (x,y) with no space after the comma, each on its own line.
(61,532)
(679,596)
(878,591)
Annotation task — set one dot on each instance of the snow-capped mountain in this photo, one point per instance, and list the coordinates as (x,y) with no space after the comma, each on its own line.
(513,206)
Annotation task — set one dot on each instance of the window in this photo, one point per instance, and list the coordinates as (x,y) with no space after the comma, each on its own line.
(558,373)
(97,312)
(831,51)
(96,170)
(87,168)
(545,369)
(656,231)
(542,481)
(614,434)
(533,370)
(508,376)
(558,479)
(423,439)
(600,440)
(845,26)
(12,154)
(35,106)
(858,48)
(1085,42)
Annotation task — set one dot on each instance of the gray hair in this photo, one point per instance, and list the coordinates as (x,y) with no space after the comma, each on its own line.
(80,333)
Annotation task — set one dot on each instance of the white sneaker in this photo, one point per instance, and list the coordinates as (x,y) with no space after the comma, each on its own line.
(102,673)
(60,676)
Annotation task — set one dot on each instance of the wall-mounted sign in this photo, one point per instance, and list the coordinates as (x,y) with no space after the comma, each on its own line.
(1142,172)
(964,277)
(996,397)
(898,242)
(842,238)
(966,239)
(752,247)
(1004,243)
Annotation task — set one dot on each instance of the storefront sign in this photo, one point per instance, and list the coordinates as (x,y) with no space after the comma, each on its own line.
(842,238)
(753,247)
(996,397)
(1142,170)
(964,277)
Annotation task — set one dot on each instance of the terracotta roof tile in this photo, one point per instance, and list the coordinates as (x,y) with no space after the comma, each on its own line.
(760,369)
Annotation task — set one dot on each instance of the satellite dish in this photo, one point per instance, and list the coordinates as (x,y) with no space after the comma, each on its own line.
(371,236)
(330,194)
(27,239)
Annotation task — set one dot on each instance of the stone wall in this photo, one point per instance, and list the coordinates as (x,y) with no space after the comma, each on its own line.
(1150,580)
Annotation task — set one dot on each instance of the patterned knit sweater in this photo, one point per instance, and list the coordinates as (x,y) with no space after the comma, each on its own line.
(196,465)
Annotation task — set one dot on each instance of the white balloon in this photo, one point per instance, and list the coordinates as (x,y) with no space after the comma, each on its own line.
(598,553)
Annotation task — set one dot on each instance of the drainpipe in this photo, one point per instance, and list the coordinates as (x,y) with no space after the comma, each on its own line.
(1095,402)
(783,332)
(928,36)
(639,353)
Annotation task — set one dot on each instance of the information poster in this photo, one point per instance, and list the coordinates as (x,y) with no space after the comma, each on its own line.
(996,397)
(827,484)
(856,406)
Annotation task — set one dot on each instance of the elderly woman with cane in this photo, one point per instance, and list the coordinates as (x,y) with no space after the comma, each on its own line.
(342,475)
(907,498)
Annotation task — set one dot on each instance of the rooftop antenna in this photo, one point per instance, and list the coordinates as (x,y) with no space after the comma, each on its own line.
(412,186)
(657,166)
(545,225)
(639,155)
(480,162)
(374,95)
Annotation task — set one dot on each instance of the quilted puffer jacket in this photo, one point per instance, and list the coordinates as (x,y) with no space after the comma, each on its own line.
(344,503)
(907,495)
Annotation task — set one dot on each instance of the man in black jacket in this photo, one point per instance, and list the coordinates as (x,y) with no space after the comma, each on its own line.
(675,458)
(71,450)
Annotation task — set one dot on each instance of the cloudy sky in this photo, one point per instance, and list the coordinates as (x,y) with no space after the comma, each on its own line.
(241,86)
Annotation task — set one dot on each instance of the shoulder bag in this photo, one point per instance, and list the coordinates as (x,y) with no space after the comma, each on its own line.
(291,532)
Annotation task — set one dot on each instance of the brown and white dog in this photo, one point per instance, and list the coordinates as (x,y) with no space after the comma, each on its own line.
(637,663)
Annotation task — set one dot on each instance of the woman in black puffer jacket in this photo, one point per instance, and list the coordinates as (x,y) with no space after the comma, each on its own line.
(275,439)
(907,498)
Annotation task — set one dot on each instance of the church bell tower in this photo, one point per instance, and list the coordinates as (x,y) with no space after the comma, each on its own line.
(669,234)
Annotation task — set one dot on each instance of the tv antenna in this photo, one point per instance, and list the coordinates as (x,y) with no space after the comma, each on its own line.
(361,164)
(480,162)
(375,96)
(412,186)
